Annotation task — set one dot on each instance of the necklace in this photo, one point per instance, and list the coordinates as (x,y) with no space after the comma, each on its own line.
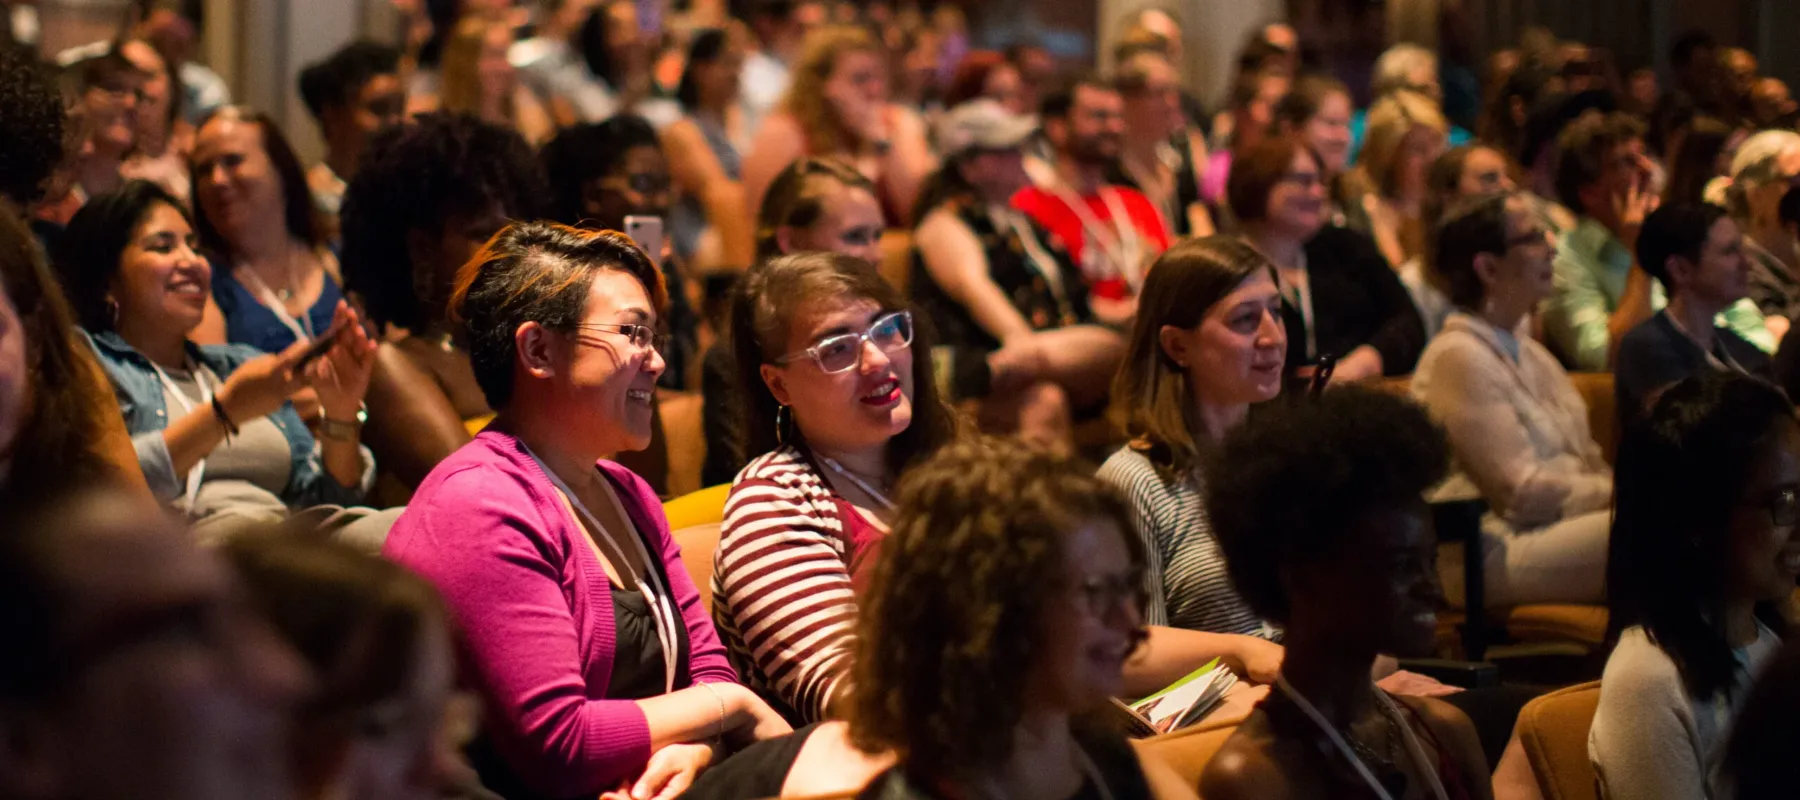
(1387,707)
(872,492)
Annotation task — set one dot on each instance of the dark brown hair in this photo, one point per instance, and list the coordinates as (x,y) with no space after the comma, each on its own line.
(762,314)
(1150,395)
(357,619)
(536,272)
(937,675)
(1582,148)
(298,215)
(67,399)
(1304,100)
(1256,172)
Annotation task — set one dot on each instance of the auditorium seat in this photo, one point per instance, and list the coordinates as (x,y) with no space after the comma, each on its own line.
(896,258)
(1596,390)
(1554,730)
(697,543)
(697,508)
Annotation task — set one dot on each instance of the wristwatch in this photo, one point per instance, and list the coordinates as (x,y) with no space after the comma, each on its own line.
(339,431)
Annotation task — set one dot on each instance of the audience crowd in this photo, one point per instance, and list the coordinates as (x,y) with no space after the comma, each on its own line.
(1020,391)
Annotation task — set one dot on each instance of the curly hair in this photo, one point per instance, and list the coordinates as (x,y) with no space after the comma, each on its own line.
(1682,474)
(31,125)
(536,272)
(936,674)
(1582,148)
(806,95)
(588,152)
(416,178)
(1289,485)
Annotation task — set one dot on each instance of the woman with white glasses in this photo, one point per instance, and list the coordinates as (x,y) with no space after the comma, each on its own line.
(839,400)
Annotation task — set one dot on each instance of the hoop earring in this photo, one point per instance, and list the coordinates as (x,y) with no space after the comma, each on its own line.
(781,423)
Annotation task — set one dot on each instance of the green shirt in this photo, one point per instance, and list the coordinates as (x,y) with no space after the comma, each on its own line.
(1591,268)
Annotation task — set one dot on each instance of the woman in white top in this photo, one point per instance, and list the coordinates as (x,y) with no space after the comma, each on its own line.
(1517,427)
(1703,558)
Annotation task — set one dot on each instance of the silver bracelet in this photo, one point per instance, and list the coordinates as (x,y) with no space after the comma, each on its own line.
(721,699)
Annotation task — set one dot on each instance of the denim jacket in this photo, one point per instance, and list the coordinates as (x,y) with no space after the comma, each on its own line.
(140,394)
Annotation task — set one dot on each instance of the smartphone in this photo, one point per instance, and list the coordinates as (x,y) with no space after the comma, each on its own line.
(647,232)
(321,345)
(1321,374)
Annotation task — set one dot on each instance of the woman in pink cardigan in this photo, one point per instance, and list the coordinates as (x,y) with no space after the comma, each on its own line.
(579,628)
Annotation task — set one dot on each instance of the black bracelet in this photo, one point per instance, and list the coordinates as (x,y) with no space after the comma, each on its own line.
(231,429)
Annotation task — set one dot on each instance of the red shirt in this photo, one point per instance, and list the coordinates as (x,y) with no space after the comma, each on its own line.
(1050,210)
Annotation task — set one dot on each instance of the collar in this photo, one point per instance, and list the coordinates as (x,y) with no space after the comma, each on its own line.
(1593,242)
(1460,320)
(110,343)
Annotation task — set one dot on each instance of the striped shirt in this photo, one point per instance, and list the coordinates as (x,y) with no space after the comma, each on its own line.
(784,602)
(1185,575)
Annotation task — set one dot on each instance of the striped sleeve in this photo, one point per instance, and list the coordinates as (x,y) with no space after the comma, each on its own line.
(1131,475)
(783,584)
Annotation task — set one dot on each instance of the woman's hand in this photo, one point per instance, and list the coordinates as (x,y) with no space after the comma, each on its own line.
(671,771)
(341,376)
(258,387)
(752,719)
(856,112)
(1256,659)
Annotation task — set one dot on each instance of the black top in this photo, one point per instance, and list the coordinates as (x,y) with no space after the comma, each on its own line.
(1011,268)
(1655,354)
(1113,757)
(1357,299)
(1186,188)
(754,772)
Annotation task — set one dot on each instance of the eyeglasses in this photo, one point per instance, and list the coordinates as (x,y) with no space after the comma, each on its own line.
(890,333)
(1783,506)
(641,183)
(643,337)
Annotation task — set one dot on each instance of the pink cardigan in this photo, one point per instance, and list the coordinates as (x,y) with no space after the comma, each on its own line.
(534,611)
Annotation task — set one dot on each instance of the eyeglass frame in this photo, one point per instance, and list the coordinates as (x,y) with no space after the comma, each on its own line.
(642,337)
(1782,505)
(863,339)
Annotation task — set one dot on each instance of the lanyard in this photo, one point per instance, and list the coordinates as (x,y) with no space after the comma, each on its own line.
(187,407)
(860,483)
(649,584)
(1119,245)
(1413,748)
(303,330)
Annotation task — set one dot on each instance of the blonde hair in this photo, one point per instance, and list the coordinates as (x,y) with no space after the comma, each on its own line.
(1756,163)
(1391,120)
(1395,67)
(461,66)
(805,99)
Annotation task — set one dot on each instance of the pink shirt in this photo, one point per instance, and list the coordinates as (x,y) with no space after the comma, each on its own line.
(534,611)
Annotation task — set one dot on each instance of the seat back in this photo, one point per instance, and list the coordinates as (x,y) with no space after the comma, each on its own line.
(697,508)
(698,543)
(1187,751)
(1596,389)
(1554,730)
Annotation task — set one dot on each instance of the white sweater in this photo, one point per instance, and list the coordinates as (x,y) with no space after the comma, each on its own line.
(1518,429)
(1650,740)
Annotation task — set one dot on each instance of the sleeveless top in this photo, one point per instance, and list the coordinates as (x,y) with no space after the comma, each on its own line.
(1011,267)
(248,321)
(1287,720)
(688,218)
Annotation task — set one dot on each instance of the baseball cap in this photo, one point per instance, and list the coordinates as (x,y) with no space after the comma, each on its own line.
(982,124)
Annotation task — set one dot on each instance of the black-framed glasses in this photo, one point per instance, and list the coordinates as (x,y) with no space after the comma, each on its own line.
(1783,506)
(641,183)
(643,337)
(890,333)
(1100,594)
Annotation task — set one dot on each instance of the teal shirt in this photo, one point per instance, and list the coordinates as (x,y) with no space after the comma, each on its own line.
(1591,269)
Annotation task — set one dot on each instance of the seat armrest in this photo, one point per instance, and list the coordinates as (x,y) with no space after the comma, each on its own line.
(1464,674)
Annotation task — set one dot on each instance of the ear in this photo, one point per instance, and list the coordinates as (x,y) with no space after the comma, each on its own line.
(25,765)
(1174,344)
(421,248)
(776,380)
(1486,267)
(1680,271)
(1056,130)
(536,348)
(784,239)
